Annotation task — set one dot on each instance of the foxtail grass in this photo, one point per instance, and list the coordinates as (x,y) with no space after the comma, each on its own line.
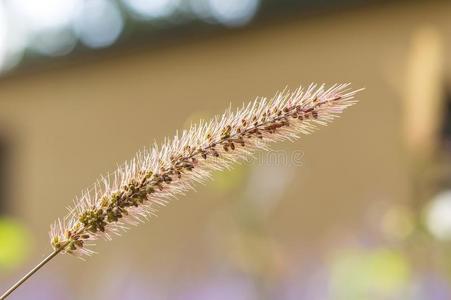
(134,192)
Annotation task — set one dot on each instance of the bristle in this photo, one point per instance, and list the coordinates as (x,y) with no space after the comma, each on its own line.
(153,177)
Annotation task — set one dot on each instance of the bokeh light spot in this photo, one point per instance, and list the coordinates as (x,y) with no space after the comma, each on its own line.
(14,243)
(397,222)
(54,43)
(233,12)
(438,216)
(44,14)
(12,40)
(98,23)
(3,32)
(151,9)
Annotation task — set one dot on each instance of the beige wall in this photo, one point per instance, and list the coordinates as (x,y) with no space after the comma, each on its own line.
(72,123)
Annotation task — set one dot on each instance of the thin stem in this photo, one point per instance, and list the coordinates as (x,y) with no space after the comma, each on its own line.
(29,274)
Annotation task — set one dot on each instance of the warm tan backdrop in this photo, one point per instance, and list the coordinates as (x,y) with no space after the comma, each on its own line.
(68,124)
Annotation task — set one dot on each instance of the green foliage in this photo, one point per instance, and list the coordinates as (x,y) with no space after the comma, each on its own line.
(369,274)
(13,243)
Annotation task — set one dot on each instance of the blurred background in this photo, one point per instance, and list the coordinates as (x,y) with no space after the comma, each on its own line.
(359,210)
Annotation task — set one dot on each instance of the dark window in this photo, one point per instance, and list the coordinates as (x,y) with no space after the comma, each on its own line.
(446,128)
(445,162)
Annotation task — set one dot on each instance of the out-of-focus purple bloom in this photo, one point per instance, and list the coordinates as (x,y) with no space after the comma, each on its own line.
(221,288)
